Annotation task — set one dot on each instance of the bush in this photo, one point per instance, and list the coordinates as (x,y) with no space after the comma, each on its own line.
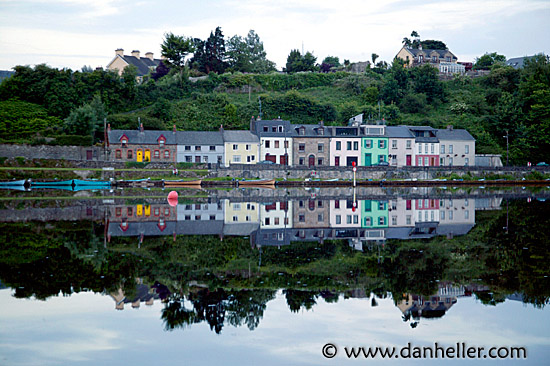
(72,140)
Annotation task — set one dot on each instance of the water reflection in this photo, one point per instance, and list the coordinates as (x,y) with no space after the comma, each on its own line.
(220,261)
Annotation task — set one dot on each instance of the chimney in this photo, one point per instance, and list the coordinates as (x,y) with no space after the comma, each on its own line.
(321,123)
(221,128)
(149,55)
(252,125)
(450,127)
(141,127)
(135,53)
(119,52)
(108,127)
(174,129)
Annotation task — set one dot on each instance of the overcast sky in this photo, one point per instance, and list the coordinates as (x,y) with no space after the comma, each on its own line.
(74,33)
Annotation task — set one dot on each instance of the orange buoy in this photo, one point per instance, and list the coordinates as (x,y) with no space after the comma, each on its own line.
(173,198)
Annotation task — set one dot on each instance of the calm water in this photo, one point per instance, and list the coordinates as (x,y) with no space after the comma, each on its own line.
(271,277)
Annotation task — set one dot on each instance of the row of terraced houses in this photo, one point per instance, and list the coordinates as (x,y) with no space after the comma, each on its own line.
(280,142)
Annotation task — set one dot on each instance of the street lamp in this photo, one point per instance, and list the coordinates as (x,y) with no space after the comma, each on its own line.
(506,147)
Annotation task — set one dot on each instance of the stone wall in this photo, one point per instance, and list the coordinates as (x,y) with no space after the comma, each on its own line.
(86,153)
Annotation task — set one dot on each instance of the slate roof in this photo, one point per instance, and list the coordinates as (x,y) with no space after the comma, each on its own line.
(199,138)
(143,64)
(441,53)
(149,137)
(518,62)
(423,138)
(310,131)
(454,134)
(398,131)
(240,136)
(272,123)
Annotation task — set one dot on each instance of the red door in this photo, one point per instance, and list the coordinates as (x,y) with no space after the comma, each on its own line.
(283,159)
(311,161)
(272,158)
(409,160)
(336,161)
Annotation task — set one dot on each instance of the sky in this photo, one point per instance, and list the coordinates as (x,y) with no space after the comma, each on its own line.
(75,33)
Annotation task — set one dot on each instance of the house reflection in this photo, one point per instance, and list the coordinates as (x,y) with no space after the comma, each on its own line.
(279,223)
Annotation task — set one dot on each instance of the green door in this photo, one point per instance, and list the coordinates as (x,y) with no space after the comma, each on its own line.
(368,160)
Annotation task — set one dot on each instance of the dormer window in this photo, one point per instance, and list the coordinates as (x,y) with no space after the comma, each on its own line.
(420,58)
(302,130)
(434,58)
(161,143)
(321,131)
(161,140)
(280,128)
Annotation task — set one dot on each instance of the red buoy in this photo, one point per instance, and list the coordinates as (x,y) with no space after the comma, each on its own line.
(173,198)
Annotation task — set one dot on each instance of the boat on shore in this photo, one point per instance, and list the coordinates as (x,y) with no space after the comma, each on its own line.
(257,183)
(182,183)
(94,183)
(51,184)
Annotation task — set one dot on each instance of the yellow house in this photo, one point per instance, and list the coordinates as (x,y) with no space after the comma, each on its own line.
(240,147)
(144,65)
(416,57)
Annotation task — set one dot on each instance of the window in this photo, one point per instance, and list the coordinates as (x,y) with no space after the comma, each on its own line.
(188,159)
(302,147)
(205,159)
(235,147)
(381,144)
(302,218)
(235,218)
(166,154)
(266,129)
(337,204)
(302,130)
(408,220)
(368,221)
(320,161)
(466,203)
(348,145)
(124,141)
(466,149)
(420,148)
(408,144)
(319,203)
(187,148)
(450,149)
(381,220)
(156,154)
(187,217)
(394,220)
(198,217)
(286,144)
(466,214)
(338,145)
(273,128)
(118,154)
(355,145)
(338,219)
(301,161)
(267,221)
(426,162)
(277,144)
(130,154)
(280,128)
(381,206)
(381,158)
(212,217)
(212,148)
(442,215)
(426,149)
(434,58)
(466,162)
(320,147)
(247,147)
(432,148)
(348,219)
(129,211)
(321,131)
(236,158)
(355,219)
(450,161)
(448,58)
(368,143)
(320,218)
(267,144)
(394,144)
(161,143)
(450,215)
(442,149)
(197,159)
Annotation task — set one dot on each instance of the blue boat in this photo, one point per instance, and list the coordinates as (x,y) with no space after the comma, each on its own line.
(95,183)
(20,182)
(50,184)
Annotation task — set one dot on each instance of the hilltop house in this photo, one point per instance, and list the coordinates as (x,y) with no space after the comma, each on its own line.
(144,65)
(444,60)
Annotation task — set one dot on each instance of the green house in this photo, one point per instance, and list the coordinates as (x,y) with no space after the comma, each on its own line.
(374,150)
(374,214)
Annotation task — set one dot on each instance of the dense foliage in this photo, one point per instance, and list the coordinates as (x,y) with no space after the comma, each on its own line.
(506,101)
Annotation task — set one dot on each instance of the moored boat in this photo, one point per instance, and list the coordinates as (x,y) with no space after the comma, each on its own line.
(95,183)
(258,182)
(50,184)
(182,183)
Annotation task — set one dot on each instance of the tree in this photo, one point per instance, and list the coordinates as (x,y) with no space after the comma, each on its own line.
(374,56)
(215,52)
(81,121)
(248,54)
(297,62)
(431,44)
(175,49)
(488,60)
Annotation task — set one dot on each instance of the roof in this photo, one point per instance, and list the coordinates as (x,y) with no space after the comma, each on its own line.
(454,134)
(260,124)
(441,53)
(310,130)
(146,137)
(240,136)
(199,138)
(398,131)
(518,62)
(143,64)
